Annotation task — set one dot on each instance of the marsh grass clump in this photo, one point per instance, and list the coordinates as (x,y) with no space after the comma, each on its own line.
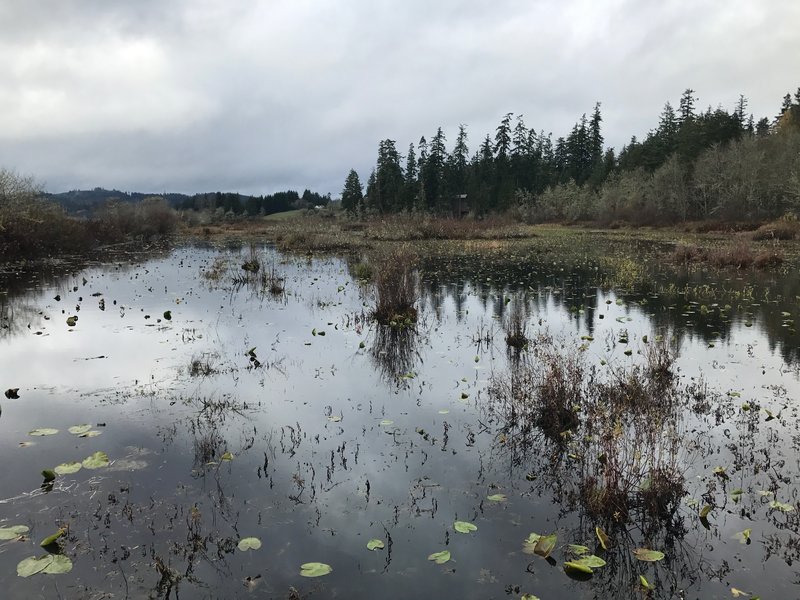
(203,365)
(273,282)
(361,270)
(544,389)
(516,326)
(217,270)
(659,360)
(253,262)
(738,256)
(767,259)
(396,292)
(612,437)
(786,228)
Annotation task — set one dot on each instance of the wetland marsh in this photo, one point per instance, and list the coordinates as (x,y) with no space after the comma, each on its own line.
(220,432)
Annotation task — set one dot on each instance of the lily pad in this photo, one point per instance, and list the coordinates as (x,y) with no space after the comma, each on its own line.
(545,545)
(781,506)
(51,564)
(91,434)
(497,497)
(645,584)
(79,429)
(13,532)
(249,543)
(72,321)
(43,431)
(578,550)
(440,557)
(68,468)
(315,569)
(591,561)
(743,536)
(577,566)
(98,460)
(227,456)
(387,422)
(646,555)
(464,527)
(375,544)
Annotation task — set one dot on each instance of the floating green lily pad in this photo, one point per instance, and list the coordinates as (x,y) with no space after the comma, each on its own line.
(249,543)
(375,544)
(743,536)
(50,564)
(43,431)
(578,550)
(646,555)
(545,545)
(781,506)
(315,569)
(13,532)
(591,561)
(464,527)
(440,557)
(497,497)
(68,468)
(577,566)
(98,460)
(79,429)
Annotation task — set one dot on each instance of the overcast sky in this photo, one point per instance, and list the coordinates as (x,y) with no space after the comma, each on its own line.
(257,96)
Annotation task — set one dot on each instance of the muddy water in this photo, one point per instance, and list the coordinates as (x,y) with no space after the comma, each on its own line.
(339,432)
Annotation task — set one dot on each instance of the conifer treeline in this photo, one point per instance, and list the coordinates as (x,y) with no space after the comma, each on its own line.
(693,165)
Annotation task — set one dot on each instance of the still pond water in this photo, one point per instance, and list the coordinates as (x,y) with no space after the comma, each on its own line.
(293,419)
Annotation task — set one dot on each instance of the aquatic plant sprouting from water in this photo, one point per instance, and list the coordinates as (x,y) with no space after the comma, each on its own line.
(614,436)
(396,290)
(516,326)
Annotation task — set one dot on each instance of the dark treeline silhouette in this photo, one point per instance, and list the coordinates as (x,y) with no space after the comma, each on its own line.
(89,201)
(694,165)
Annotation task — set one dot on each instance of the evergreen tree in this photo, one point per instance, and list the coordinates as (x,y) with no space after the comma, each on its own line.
(411,184)
(686,107)
(502,138)
(388,178)
(433,173)
(352,193)
(458,163)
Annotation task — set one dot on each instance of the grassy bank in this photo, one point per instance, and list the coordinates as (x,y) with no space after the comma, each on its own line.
(770,246)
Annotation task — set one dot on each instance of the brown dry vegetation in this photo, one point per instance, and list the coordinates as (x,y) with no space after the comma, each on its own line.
(396,290)
(31,227)
(739,256)
(619,427)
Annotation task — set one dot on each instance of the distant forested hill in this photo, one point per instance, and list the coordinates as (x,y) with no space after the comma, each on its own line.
(86,202)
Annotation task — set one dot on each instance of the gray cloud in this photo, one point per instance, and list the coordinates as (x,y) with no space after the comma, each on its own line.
(191,95)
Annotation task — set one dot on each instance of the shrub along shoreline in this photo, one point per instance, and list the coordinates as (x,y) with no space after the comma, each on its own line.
(32,228)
